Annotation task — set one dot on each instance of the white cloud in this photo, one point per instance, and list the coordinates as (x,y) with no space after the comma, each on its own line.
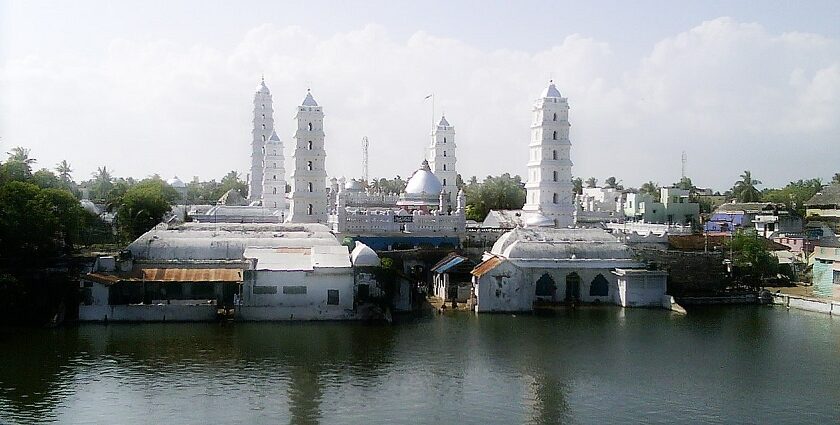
(730,94)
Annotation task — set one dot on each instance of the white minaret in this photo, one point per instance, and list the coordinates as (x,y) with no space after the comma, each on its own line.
(309,196)
(441,157)
(549,188)
(263,126)
(274,175)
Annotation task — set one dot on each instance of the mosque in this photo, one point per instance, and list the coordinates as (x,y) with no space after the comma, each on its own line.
(430,208)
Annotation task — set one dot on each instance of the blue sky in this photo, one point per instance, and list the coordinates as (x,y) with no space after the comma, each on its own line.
(91,81)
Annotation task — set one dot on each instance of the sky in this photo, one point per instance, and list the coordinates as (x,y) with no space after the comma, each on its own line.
(166,87)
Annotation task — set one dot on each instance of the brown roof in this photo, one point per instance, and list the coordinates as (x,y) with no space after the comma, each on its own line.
(486,265)
(827,196)
(169,275)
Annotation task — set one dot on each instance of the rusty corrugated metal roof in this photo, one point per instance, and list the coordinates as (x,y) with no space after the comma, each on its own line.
(486,265)
(190,275)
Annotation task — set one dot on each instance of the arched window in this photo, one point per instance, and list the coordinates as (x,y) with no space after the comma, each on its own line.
(273,177)
(599,287)
(309,209)
(444,153)
(310,126)
(554,155)
(554,198)
(555,175)
(309,186)
(263,115)
(444,182)
(554,136)
(545,286)
(309,165)
(309,145)
(263,126)
(444,140)
(444,167)
(555,116)
(274,191)
(263,138)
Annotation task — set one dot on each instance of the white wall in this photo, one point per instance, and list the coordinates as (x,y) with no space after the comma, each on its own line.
(312,305)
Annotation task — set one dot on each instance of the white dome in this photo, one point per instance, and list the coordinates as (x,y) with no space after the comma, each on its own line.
(539,220)
(363,256)
(176,182)
(354,186)
(423,181)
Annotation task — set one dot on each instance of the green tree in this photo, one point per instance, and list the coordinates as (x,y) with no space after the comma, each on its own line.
(685,184)
(45,179)
(142,207)
(745,189)
(752,258)
(21,154)
(495,193)
(591,182)
(14,171)
(64,172)
(835,179)
(102,183)
(650,188)
(37,222)
(577,185)
(610,182)
(794,195)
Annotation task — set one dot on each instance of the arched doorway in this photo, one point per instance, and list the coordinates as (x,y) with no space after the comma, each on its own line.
(599,287)
(572,287)
(546,286)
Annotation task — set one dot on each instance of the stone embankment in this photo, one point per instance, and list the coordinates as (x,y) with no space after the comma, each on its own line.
(826,306)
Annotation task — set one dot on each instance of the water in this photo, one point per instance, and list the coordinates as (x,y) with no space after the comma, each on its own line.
(590,365)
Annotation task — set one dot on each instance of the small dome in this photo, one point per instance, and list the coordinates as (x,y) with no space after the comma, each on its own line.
(89,206)
(363,256)
(551,90)
(176,182)
(274,137)
(423,181)
(539,220)
(354,186)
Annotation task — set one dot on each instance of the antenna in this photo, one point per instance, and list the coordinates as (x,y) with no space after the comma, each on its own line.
(684,159)
(365,144)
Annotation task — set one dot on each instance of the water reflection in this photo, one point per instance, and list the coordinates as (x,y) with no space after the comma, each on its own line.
(577,365)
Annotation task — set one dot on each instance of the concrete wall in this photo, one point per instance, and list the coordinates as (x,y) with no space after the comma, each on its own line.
(640,291)
(148,313)
(809,304)
(263,296)
(688,272)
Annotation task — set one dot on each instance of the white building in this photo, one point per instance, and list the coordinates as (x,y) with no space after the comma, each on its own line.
(298,283)
(422,209)
(263,126)
(442,156)
(545,265)
(549,187)
(274,175)
(309,196)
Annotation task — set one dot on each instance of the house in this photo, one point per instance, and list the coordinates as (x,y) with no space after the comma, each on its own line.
(824,206)
(674,207)
(503,219)
(313,282)
(765,218)
(451,278)
(825,261)
(533,266)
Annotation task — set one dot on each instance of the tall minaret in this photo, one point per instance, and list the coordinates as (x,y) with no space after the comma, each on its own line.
(441,157)
(274,175)
(549,188)
(309,196)
(263,126)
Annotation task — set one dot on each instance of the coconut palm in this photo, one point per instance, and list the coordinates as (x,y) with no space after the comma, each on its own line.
(745,189)
(651,188)
(591,182)
(21,154)
(835,179)
(64,171)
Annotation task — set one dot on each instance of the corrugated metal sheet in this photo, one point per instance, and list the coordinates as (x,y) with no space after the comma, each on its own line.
(190,275)
(448,264)
(487,265)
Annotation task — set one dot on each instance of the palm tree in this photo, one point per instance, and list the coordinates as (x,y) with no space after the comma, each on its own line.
(21,154)
(64,171)
(591,182)
(835,179)
(745,189)
(651,188)
(577,185)
(610,182)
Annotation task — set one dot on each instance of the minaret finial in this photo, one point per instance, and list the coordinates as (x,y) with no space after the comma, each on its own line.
(262,78)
